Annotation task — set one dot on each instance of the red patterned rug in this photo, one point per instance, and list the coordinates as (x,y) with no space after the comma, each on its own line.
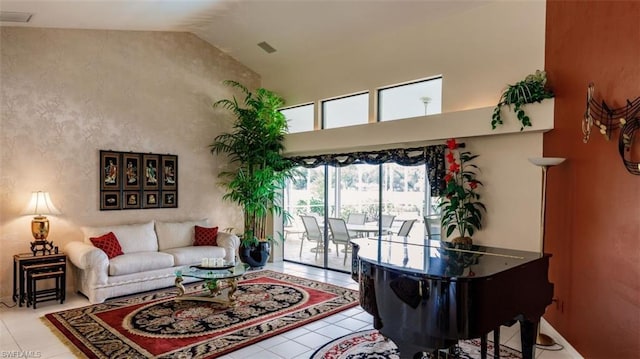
(370,344)
(156,325)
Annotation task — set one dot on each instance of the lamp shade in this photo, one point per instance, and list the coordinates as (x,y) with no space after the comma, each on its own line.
(40,204)
(546,161)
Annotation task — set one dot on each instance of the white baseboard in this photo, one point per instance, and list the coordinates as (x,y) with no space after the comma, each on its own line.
(7,302)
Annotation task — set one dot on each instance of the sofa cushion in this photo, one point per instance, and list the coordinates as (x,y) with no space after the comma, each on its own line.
(206,236)
(177,234)
(193,255)
(139,262)
(132,237)
(109,244)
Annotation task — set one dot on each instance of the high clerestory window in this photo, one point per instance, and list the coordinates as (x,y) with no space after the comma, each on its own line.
(419,98)
(300,118)
(345,111)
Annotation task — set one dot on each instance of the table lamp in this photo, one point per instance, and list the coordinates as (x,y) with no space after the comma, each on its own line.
(39,206)
(545,163)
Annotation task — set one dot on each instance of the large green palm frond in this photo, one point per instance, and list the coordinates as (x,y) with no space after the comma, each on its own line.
(255,146)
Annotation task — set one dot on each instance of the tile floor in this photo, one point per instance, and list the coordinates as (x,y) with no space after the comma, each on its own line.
(23,335)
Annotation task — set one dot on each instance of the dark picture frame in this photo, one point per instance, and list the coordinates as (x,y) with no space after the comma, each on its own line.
(169,172)
(131,171)
(110,200)
(110,173)
(150,175)
(169,199)
(134,180)
(131,200)
(150,199)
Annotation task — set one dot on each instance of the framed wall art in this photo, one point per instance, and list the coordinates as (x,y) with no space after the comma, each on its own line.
(169,199)
(130,180)
(131,200)
(150,199)
(169,173)
(131,164)
(151,175)
(109,171)
(110,200)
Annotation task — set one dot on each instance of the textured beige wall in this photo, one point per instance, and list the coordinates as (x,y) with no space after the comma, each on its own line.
(66,94)
(477,52)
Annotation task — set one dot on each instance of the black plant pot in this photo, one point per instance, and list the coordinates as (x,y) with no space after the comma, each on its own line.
(255,256)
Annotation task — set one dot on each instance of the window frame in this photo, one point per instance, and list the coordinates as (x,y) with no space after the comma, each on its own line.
(324,113)
(313,119)
(380,89)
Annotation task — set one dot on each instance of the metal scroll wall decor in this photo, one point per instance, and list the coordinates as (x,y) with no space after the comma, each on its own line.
(130,180)
(607,119)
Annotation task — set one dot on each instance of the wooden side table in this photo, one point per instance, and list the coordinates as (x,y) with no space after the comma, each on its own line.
(29,269)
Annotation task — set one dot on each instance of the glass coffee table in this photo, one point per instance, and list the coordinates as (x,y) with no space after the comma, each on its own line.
(212,277)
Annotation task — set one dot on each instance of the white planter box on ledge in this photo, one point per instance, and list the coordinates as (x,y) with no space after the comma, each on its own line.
(418,131)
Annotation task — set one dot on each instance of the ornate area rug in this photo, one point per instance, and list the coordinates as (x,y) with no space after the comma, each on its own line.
(370,344)
(155,325)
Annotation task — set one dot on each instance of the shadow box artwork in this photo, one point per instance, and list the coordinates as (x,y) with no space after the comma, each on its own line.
(130,180)
(150,170)
(169,199)
(131,200)
(151,199)
(169,173)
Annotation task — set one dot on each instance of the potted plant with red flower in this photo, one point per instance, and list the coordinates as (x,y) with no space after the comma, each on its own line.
(460,204)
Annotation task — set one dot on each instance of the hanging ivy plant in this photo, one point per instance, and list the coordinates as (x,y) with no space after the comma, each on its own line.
(531,89)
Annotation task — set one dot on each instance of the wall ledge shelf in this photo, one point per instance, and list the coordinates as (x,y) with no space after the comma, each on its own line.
(418,131)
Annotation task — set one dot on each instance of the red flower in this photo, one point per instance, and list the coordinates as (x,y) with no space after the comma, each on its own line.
(450,157)
(461,206)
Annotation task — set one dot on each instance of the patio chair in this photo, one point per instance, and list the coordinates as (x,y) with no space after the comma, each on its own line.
(386,221)
(406,228)
(293,227)
(340,236)
(431,222)
(313,233)
(356,218)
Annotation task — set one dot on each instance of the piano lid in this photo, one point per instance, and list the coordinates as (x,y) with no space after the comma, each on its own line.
(440,259)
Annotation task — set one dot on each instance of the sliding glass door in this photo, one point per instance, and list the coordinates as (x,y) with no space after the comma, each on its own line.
(368,199)
(404,198)
(304,201)
(353,201)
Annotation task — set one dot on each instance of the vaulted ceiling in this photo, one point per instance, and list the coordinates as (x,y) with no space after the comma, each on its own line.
(304,33)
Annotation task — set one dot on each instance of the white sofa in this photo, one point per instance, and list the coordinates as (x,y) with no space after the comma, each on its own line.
(152,253)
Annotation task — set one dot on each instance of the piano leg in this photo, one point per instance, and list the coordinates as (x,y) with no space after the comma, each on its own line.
(483,346)
(528,333)
(496,344)
(377,322)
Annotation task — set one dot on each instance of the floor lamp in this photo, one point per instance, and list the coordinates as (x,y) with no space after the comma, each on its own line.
(545,163)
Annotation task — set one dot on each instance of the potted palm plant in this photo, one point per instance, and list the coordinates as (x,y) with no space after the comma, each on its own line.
(254,148)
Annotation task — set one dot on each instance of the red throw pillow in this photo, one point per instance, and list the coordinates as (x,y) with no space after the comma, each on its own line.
(206,236)
(108,243)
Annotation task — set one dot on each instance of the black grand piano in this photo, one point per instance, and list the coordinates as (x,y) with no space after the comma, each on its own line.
(426,297)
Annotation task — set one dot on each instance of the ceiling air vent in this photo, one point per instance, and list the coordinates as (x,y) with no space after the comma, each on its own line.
(266,47)
(13,16)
